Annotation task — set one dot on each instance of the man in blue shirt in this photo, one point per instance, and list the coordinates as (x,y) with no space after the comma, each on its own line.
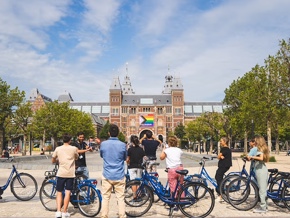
(114,153)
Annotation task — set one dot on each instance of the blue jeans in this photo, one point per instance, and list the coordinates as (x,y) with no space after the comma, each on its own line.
(85,171)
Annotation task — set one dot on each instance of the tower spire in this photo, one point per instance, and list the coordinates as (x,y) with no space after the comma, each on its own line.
(127,68)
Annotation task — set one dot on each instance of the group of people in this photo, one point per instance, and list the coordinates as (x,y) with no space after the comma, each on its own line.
(115,153)
(259,155)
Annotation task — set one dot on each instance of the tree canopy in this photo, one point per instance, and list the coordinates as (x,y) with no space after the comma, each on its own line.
(10,99)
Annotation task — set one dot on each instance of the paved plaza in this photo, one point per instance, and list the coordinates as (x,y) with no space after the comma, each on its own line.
(11,207)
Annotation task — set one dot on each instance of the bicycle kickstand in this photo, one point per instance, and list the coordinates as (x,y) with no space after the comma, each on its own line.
(171,210)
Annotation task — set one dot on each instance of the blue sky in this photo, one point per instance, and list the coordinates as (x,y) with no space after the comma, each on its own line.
(79,46)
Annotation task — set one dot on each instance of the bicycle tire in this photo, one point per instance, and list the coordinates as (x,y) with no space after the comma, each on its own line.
(143,202)
(47,195)
(197,179)
(47,178)
(199,205)
(224,184)
(243,194)
(274,187)
(89,200)
(23,186)
(286,193)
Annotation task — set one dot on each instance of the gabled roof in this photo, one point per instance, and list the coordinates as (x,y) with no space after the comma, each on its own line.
(34,94)
(65,97)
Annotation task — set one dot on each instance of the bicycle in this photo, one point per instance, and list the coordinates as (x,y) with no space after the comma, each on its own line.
(155,174)
(23,185)
(85,195)
(204,177)
(243,193)
(51,174)
(186,197)
(273,183)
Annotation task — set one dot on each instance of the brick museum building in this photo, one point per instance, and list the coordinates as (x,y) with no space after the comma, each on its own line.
(137,113)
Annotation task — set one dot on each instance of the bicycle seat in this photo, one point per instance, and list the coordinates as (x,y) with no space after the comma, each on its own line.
(152,158)
(273,170)
(78,173)
(284,174)
(182,172)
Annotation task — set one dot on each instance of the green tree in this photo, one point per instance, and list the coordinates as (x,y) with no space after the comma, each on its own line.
(104,132)
(179,131)
(22,118)
(55,119)
(10,99)
(121,137)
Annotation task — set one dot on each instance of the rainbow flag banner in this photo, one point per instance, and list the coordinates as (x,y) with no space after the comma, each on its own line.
(146,120)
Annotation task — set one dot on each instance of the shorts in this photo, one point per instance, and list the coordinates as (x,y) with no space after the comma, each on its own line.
(135,173)
(64,183)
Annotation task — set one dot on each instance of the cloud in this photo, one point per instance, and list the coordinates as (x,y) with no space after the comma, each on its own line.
(75,45)
(25,21)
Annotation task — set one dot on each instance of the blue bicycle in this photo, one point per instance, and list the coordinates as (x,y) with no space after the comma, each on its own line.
(204,177)
(186,197)
(85,195)
(243,192)
(23,185)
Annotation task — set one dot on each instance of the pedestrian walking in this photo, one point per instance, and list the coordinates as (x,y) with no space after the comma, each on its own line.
(114,154)
(66,156)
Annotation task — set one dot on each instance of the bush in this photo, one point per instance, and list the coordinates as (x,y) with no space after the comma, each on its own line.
(272,159)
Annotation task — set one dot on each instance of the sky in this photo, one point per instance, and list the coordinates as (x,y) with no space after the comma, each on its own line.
(80,46)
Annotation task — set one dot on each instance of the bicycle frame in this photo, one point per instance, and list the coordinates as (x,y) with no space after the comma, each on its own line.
(276,195)
(13,171)
(206,177)
(88,182)
(165,195)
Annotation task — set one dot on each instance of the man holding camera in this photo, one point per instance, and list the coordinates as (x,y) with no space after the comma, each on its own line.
(150,145)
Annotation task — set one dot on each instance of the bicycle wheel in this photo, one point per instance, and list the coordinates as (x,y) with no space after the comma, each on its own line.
(224,184)
(47,178)
(194,204)
(139,203)
(286,193)
(242,194)
(47,195)
(23,186)
(197,179)
(274,187)
(89,201)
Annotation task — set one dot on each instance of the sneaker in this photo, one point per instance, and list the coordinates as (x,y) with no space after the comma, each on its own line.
(219,199)
(135,200)
(260,210)
(58,214)
(65,215)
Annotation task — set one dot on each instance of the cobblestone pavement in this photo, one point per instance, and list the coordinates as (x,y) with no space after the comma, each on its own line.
(11,207)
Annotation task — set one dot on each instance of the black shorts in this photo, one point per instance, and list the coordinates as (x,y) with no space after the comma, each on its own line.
(64,183)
